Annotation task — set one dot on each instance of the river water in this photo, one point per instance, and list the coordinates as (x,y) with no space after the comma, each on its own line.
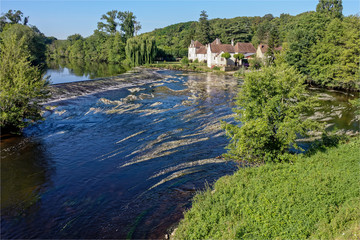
(125,163)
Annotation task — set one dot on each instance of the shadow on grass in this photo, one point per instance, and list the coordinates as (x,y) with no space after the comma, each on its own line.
(327,141)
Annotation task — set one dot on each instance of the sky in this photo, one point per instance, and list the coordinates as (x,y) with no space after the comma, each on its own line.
(61,18)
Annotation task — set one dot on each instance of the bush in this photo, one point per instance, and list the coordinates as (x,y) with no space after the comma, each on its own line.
(215,68)
(255,63)
(269,108)
(196,61)
(240,73)
(22,85)
(185,61)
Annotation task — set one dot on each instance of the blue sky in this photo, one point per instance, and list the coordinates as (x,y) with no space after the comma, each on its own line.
(61,18)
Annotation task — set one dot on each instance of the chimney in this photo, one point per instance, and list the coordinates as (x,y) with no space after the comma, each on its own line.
(232,42)
(217,41)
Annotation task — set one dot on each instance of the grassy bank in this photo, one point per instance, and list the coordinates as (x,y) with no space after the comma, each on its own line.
(316,197)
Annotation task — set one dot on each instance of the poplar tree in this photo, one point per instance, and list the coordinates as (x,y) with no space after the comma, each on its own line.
(203,30)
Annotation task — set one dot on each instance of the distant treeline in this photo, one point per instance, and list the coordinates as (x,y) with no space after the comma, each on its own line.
(324,45)
(112,42)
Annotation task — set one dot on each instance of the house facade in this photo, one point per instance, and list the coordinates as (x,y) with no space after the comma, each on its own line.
(211,53)
(262,49)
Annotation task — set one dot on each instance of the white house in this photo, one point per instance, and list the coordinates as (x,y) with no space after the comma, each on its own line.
(211,53)
(262,49)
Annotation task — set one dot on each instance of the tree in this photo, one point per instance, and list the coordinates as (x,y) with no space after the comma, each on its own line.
(129,25)
(335,57)
(22,85)
(110,23)
(332,8)
(269,112)
(34,41)
(203,29)
(239,57)
(226,55)
(13,17)
(140,50)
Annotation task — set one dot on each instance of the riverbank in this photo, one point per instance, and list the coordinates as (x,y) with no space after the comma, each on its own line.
(315,197)
(200,67)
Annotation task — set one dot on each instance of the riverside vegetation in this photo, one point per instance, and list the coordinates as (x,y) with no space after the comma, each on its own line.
(283,195)
(314,197)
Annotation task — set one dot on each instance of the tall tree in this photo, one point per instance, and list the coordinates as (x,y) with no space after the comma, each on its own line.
(330,7)
(13,17)
(110,23)
(203,30)
(129,25)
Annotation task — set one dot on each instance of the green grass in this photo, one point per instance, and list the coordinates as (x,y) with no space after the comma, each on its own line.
(316,197)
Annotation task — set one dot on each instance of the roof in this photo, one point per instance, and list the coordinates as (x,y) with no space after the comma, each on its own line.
(197,44)
(218,48)
(244,48)
(201,50)
(264,48)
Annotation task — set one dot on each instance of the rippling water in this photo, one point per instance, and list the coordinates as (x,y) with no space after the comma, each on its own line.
(123,163)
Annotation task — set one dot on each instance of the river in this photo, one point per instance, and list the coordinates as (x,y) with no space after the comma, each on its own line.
(126,162)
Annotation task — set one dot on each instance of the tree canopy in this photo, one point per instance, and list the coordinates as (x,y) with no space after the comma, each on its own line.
(269,116)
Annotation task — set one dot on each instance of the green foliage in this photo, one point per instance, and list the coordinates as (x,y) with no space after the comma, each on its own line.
(255,63)
(269,108)
(13,17)
(332,8)
(226,55)
(239,56)
(34,41)
(22,85)
(203,30)
(316,197)
(129,25)
(240,73)
(196,60)
(334,59)
(140,50)
(185,61)
(110,23)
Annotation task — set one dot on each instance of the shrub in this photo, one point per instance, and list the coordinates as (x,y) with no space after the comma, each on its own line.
(255,63)
(269,108)
(22,85)
(185,61)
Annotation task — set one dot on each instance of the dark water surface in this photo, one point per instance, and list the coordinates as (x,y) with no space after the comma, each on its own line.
(125,163)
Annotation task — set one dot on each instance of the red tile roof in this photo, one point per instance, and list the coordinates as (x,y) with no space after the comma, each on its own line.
(218,48)
(197,44)
(244,48)
(264,48)
(201,50)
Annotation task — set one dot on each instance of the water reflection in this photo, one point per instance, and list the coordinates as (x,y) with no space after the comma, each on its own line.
(63,70)
(25,174)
